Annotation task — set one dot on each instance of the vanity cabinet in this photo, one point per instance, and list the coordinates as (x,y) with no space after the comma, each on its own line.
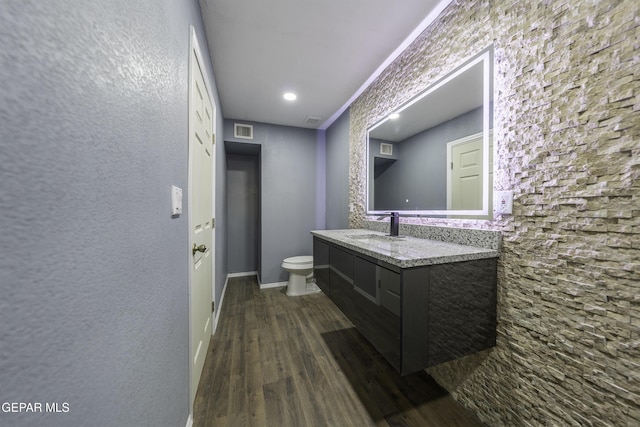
(415,317)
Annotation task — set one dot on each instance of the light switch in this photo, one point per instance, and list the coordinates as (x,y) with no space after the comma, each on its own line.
(504,202)
(176,200)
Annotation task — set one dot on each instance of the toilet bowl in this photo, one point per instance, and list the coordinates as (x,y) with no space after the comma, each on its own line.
(301,281)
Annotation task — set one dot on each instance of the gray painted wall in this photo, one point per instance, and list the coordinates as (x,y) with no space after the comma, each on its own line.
(290,204)
(94,270)
(420,175)
(337,173)
(243,210)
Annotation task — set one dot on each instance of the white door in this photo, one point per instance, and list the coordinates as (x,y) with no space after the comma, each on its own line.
(466,175)
(201,222)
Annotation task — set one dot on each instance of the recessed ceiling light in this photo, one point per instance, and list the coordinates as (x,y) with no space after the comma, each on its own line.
(290,96)
(394,116)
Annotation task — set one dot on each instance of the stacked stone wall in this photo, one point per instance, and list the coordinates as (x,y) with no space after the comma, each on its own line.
(567,142)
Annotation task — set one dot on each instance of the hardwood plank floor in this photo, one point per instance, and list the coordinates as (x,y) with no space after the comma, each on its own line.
(298,361)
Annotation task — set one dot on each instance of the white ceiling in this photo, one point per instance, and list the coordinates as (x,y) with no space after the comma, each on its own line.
(325,51)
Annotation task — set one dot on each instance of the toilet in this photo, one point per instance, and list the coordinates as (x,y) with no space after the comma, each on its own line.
(301,281)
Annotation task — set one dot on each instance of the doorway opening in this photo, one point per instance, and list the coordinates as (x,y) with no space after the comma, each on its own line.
(243,208)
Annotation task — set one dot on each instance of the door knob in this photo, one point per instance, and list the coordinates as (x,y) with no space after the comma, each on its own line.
(200,248)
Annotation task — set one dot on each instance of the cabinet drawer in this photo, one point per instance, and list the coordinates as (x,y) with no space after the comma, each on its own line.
(389,288)
(342,262)
(364,278)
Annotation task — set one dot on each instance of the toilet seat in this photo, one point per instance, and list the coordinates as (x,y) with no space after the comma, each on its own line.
(299,261)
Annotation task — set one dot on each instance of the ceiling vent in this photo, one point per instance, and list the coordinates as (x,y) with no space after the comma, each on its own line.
(312,121)
(242,131)
(386,149)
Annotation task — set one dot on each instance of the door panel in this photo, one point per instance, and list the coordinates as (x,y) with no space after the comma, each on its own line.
(201,219)
(467,176)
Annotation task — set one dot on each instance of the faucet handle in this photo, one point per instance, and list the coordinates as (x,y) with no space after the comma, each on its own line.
(390,214)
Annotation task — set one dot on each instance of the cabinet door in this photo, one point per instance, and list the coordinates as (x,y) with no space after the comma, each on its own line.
(415,306)
(378,324)
(321,265)
(461,309)
(341,279)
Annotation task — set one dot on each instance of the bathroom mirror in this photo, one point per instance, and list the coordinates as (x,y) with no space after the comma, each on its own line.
(433,157)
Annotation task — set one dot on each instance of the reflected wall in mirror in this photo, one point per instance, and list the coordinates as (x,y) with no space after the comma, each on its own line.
(433,157)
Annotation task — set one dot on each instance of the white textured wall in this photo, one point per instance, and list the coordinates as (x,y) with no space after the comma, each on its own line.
(93,272)
(567,140)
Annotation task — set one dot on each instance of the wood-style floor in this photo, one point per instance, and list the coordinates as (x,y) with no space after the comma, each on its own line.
(298,361)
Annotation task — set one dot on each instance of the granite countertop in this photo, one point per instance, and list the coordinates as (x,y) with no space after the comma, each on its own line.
(403,251)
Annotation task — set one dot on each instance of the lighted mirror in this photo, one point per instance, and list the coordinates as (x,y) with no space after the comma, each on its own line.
(433,156)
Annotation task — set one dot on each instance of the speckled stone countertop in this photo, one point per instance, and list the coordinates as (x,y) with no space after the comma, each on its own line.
(403,251)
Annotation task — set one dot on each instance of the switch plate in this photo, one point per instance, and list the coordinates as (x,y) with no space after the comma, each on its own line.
(176,200)
(504,202)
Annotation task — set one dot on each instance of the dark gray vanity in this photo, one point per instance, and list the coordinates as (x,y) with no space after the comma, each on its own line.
(419,302)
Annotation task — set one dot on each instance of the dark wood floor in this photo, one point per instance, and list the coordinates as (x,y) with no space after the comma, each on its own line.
(297,361)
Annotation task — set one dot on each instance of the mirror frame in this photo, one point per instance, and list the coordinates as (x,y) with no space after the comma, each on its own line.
(485,57)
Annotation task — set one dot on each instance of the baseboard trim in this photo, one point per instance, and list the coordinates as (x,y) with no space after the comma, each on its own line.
(242,274)
(216,318)
(273,285)
(190,421)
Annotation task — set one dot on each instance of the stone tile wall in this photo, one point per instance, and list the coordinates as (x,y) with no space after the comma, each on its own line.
(567,141)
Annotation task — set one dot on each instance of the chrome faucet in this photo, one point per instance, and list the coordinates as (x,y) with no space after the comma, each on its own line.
(394,222)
